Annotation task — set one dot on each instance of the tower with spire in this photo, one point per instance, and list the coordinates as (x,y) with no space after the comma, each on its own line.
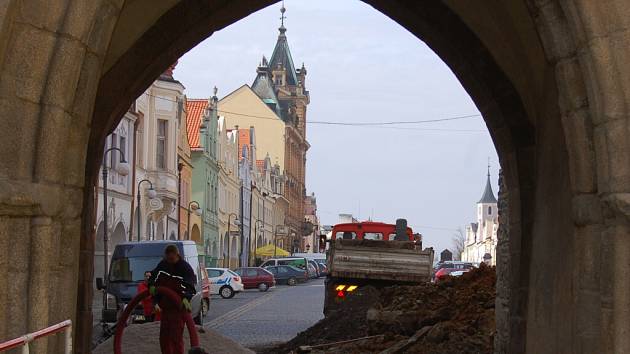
(283,88)
(481,236)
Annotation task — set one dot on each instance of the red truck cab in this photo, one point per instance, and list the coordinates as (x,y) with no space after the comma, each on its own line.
(367,230)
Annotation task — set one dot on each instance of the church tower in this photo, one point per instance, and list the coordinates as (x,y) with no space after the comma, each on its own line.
(282,87)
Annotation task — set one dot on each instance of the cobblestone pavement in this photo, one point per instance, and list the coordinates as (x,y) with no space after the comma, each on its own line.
(255,319)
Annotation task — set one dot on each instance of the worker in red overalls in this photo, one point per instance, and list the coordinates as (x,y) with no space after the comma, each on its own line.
(175,273)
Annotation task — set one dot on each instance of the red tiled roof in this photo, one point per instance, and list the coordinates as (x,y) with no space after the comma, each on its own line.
(243,139)
(194,114)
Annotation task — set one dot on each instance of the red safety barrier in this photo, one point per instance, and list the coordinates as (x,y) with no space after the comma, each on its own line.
(173,296)
(24,340)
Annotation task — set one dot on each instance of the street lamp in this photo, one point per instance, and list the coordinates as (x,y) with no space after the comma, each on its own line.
(256,237)
(150,193)
(197,210)
(123,170)
(275,240)
(237,223)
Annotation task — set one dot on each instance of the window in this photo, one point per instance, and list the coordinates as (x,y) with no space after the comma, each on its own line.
(346,235)
(160,160)
(214,273)
(372,236)
(489,210)
(123,147)
(140,140)
(251,272)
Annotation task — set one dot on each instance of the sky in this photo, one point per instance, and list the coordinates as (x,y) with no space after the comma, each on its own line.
(364,67)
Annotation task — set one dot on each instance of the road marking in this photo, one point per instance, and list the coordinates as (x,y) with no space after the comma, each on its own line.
(239,311)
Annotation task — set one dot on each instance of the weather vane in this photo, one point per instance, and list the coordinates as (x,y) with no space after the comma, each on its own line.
(282,11)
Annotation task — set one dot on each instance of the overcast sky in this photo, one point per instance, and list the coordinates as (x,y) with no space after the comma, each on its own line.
(363,67)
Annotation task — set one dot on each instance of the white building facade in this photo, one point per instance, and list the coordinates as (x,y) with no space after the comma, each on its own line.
(160,117)
(119,198)
(481,236)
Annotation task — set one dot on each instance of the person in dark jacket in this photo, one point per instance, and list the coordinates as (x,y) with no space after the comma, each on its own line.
(172,272)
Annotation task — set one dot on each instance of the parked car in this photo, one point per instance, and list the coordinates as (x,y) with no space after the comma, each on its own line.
(323,268)
(256,278)
(288,274)
(130,261)
(224,282)
(313,270)
(441,270)
(205,290)
(459,273)
(316,267)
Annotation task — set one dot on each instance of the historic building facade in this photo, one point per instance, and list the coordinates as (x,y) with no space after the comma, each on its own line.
(229,191)
(157,133)
(247,148)
(310,242)
(188,215)
(283,88)
(120,197)
(263,206)
(481,236)
(202,126)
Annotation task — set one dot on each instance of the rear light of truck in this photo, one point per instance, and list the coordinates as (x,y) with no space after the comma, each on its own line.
(343,289)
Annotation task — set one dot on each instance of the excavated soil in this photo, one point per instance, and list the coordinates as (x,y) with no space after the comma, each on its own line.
(454,316)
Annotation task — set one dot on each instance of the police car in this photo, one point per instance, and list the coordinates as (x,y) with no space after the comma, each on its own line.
(224,282)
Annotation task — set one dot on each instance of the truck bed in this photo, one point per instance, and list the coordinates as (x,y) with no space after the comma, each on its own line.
(380,260)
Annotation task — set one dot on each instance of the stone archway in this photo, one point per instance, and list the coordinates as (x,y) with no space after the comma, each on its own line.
(548,76)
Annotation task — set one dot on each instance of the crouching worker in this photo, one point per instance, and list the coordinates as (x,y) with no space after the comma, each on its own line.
(176,274)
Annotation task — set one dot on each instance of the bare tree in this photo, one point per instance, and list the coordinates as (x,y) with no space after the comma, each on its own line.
(459,242)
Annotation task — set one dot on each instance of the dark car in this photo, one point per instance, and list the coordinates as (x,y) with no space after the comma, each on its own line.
(288,274)
(256,278)
(323,268)
(315,267)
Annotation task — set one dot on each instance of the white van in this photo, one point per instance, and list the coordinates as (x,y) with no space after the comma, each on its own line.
(299,262)
(318,257)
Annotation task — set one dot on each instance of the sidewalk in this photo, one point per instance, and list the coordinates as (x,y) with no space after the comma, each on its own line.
(144,339)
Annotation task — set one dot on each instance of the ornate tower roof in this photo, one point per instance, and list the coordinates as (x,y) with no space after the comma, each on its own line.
(281,55)
(263,88)
(488,195)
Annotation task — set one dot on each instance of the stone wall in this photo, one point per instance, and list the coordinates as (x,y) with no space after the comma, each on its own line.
(502,309)
(550,78)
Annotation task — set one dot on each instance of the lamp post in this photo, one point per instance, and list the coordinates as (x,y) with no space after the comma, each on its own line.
(151,193)
(275,240)
(123,169)
(256,237)
(236,222)
(197,210)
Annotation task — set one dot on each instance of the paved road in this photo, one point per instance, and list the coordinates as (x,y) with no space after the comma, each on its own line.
(256,319)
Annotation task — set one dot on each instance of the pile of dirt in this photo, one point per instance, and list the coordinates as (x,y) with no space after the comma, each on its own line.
(348,322)
(454,316)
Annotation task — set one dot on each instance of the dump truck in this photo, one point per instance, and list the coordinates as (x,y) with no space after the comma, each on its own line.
(373,253)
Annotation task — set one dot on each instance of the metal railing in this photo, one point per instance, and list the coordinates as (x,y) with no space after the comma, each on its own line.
(25,340)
